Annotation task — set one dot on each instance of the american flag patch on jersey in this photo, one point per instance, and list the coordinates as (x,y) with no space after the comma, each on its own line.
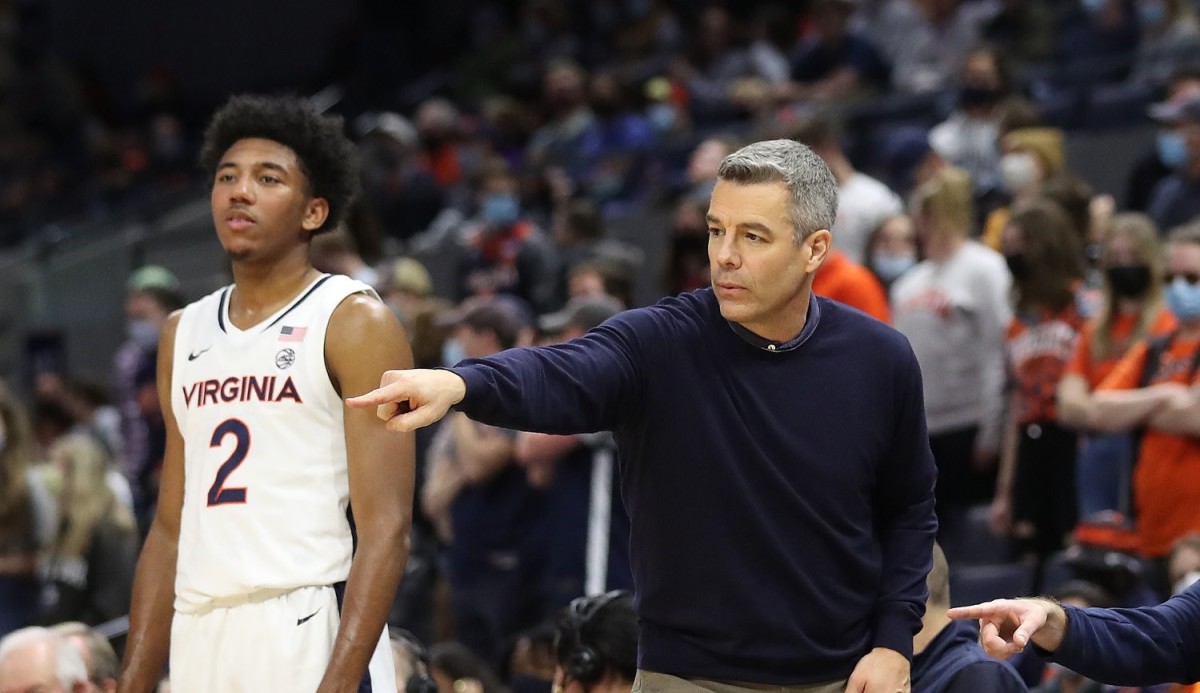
(292,334)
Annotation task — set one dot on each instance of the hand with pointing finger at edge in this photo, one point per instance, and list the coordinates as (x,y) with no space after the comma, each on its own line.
(411,399)
(1006,626)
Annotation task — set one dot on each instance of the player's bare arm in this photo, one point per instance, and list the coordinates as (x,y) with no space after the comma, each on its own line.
(154,581)
(364,340)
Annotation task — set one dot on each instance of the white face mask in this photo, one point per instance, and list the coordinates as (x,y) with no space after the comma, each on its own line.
(1019,170)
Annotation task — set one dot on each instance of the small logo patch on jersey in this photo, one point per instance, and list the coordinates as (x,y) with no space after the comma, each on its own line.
(196,354)
(284,359)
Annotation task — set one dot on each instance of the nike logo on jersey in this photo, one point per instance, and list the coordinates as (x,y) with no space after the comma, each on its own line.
(301,621)
(196,354)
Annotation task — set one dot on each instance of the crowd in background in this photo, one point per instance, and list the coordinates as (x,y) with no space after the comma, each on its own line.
(961,222)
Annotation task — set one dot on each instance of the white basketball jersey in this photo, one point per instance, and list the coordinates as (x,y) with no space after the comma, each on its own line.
(265,477)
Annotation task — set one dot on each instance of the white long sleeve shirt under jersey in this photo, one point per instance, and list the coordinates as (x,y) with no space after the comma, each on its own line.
(955,314)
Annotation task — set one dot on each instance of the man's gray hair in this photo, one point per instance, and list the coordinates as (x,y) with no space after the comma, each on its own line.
(809,180)
(69,667)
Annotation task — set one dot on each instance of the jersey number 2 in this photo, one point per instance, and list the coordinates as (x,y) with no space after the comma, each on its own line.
(217,493)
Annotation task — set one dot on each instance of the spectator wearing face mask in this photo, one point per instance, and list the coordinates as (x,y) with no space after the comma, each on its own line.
(1131,309)
(1031,156)
(968,138)
(502,251)
(1166,154)
(953,307)
(846,281)
(891,249)
(1176,199)
(1153,388)
(1035,489)
(154,293)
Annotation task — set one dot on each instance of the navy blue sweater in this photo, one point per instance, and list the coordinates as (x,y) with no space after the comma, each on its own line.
(1135,647)
(780,496)
(953,662)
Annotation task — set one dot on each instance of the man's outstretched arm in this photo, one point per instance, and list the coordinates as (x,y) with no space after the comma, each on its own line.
(580,386)
(1125,647)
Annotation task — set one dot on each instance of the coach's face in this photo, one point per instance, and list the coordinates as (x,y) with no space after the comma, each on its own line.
(761,276)
(260,200)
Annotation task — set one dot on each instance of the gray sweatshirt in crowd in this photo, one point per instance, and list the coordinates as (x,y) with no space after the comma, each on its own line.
(956,314)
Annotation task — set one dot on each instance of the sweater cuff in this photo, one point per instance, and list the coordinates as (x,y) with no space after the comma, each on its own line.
(473,378)
(1065,645)
(894,629)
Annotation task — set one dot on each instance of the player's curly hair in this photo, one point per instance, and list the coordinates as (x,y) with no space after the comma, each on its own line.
(328,159)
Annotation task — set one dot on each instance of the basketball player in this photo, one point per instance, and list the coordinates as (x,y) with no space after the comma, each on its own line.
(251,570)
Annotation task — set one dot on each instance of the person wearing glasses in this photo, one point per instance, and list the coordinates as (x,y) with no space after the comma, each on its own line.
(1154,389)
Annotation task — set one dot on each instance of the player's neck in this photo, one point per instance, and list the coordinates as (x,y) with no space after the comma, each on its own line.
(261,290)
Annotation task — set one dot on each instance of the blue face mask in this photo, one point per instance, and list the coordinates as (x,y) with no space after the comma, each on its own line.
(500,209)
(452,352)
(889,267)
(1184,300)
(1172,149)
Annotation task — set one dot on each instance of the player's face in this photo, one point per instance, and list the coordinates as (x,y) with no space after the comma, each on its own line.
(759,272)
(260,201)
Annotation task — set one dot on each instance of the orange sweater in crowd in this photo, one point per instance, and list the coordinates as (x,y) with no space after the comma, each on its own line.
(1094,372)
(846,281)
(1166,486)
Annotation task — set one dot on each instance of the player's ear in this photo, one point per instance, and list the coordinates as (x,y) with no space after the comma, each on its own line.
(315,214)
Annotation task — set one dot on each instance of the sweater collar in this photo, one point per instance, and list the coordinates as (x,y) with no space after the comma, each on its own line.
(810,326)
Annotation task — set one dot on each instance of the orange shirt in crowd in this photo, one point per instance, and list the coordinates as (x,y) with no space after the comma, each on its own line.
(443,164)
(1166,486)
(846,281)
(1038,353)
(1094,372)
